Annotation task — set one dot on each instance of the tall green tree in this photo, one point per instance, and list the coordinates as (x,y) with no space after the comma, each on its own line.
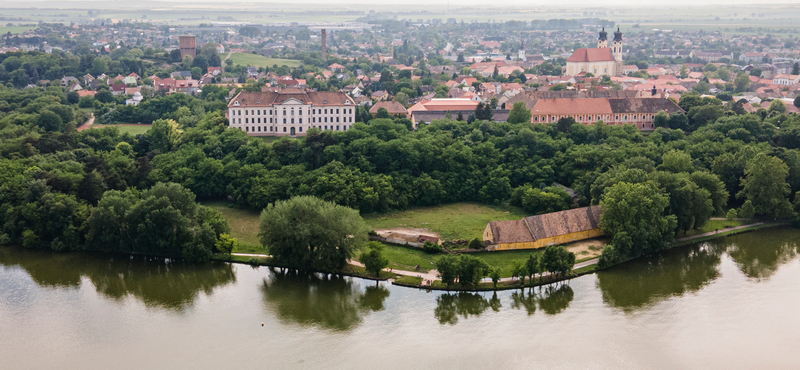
(764,184)
(309,233)
(373,259)
(635,217)
(519,113)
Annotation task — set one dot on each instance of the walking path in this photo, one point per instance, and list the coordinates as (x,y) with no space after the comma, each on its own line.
(718,232)
(432,275)
(88,124)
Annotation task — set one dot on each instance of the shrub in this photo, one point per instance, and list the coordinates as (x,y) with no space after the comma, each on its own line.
(476,244)
(432,248)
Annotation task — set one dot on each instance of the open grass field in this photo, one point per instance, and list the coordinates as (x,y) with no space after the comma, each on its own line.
(131,129)
(243,223)
(15,30)
(450,221)
(247,59)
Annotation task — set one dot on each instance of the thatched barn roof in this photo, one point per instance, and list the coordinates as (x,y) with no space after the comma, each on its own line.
(565,222)
(510,232)
(545,226)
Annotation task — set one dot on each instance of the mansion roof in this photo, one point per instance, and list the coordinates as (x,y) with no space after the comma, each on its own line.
(267,98)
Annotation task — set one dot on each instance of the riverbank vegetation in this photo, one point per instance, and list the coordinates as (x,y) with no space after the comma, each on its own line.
(714,158)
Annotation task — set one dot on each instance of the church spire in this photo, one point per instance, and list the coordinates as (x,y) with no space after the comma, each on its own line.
(603,35)
(618,35)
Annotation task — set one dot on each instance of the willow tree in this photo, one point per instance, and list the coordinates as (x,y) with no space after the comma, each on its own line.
(309,233)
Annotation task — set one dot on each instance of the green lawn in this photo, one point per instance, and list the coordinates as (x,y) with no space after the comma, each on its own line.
(406,258)
(451,221)
(133,130)
(713,225)
(243,223)
(504,260)
(15,29)
(255,60)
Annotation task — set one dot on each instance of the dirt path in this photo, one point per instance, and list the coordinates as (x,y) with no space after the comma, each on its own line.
(224,60)
(88,124)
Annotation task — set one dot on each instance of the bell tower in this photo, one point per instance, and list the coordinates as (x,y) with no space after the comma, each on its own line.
(602,42)
(616,51)
(616,45)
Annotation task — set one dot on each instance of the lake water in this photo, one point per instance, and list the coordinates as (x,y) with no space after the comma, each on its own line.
(733,303)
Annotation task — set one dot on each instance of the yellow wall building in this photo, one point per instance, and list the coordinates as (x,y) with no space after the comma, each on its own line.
(544,230)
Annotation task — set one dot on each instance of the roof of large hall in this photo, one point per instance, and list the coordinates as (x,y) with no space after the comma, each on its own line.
(592,55)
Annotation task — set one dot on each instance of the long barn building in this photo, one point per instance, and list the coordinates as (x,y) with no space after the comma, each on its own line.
(544,230)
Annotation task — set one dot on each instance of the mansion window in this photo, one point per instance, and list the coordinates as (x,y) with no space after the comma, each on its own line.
(292,119)
(301,121)
(284,121)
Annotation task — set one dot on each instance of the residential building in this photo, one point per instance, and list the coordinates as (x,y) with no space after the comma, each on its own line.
(392,107)
(636,111)
(290,112)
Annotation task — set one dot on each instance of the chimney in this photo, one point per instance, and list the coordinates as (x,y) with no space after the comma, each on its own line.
(324,48)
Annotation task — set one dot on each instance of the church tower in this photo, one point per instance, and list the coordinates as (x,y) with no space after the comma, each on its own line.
(616,45)
(522,51)
(616,51)
(602,42)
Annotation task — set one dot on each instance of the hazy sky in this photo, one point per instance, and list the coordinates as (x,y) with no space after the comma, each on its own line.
(378,3)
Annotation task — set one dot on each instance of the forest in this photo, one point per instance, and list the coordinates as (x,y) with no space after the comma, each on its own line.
(56,181)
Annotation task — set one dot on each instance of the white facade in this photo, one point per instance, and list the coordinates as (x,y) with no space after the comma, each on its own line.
(290,117)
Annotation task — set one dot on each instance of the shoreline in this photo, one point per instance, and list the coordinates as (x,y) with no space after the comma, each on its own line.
(585,269)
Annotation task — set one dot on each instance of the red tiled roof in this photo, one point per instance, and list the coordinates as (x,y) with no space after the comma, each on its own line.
(591,55)
(562,106)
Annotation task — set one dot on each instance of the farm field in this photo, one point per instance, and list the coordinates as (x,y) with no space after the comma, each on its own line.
(246,59)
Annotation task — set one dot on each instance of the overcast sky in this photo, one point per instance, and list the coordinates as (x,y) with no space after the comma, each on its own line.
(378,3)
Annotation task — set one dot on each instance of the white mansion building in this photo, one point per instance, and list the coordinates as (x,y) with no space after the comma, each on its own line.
(290,112)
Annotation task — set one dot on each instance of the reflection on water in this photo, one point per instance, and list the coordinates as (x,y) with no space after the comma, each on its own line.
(450,306)
(155,282)
(758,255)
(552,299)
(555,299)
(681,270)
(650,279)
(328,301)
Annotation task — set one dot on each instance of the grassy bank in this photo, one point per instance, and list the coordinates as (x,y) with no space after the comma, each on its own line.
(450,221)
(713,225)
(348,270)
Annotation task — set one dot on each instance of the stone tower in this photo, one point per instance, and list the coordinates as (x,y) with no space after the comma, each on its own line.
(616,51)
(324,46)
(602,42)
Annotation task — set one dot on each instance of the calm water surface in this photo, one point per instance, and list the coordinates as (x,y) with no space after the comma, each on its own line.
(733,303)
